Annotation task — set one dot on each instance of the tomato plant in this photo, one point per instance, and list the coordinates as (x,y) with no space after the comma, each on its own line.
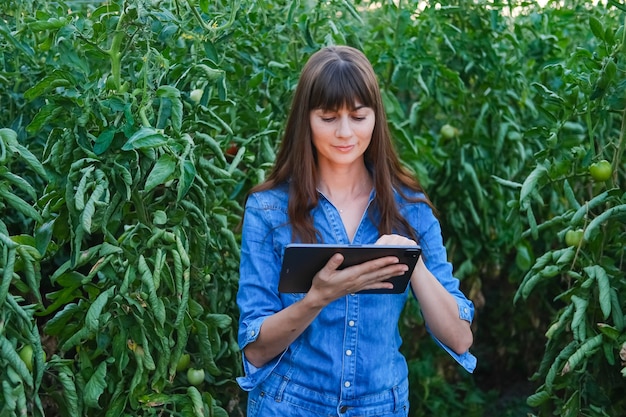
(580,366)
(116,217)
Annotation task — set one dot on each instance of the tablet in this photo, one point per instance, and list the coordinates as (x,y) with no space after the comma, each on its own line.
(302,261)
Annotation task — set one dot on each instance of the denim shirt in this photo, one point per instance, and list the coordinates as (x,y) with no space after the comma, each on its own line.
(352,347)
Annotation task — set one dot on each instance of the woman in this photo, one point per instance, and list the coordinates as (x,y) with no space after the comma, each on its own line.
(332,352)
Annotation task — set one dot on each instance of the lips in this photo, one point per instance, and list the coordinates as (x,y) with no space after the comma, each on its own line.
(344,148)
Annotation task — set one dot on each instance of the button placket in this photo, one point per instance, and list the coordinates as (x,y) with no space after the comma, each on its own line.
(349,362)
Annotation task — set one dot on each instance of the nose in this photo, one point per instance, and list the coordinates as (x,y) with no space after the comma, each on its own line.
(344,128)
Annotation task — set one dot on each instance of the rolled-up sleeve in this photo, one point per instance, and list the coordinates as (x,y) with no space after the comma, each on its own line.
(257,297)
(435,258)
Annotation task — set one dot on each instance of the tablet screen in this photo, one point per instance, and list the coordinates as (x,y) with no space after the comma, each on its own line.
(302,261)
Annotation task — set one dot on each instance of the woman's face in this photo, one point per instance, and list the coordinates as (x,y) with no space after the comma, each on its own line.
(342,136)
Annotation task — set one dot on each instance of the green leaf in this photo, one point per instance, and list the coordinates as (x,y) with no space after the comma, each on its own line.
(69,391)
(538,398)
(8,136)
(21,183)
(10,355)
(186,179)
(585,350)
(92,318)
(507,183)
(161,172)
(47,113)
(103,141)
(55,79)
(95,386)
(145,138)
(569,195)
(609,331)
(30,159)
(566,256)
(588,206)
(352,11)
(206,347)
(75,338)
(213,146)
(532,222)
(531,183)
(580,305)
(8,269)
(604,291)
(593,228)
(156,303)
(51,24)
(20,205)
(616,310)
(90,207)
(171,107)
(221,321)
(523,257)
(596,27)
(211,73)
(549,95)
(196,401)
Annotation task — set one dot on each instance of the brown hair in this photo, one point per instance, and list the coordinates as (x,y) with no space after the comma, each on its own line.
(335,77)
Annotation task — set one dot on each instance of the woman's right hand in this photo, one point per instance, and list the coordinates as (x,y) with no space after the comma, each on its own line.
(331,283)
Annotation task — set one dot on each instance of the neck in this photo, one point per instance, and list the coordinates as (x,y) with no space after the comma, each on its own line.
(346,184)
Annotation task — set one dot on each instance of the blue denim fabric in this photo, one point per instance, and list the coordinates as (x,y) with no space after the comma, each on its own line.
(350,352)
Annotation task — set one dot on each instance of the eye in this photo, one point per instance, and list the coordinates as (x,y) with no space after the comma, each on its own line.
(327,119)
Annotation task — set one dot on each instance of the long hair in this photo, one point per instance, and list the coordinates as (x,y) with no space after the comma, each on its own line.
(332,78)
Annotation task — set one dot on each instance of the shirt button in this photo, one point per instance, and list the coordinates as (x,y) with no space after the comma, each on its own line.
(465,310)
(346,384)
(348,352)
(351,323)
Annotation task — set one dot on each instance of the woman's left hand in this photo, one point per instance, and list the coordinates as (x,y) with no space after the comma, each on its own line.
(395,240)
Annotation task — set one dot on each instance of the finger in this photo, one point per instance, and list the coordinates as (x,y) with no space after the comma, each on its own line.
(373,265)
(333,263)
(378,279)
(374,270)
(394,240)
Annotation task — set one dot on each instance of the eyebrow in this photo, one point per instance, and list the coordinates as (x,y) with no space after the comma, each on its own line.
(359,107)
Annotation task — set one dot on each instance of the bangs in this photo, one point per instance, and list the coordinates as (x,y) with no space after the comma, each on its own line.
(340,84)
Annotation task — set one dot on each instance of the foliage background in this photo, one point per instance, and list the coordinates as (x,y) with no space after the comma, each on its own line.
(131,132)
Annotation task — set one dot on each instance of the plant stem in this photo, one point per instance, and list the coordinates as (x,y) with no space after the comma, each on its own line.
(115,54)
(621,145)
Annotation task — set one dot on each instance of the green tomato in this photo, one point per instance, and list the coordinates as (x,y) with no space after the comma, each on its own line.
(601,171)
(574,237)
(448,131)
(26,354)
(195,376)
(196,95)
(183,362)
